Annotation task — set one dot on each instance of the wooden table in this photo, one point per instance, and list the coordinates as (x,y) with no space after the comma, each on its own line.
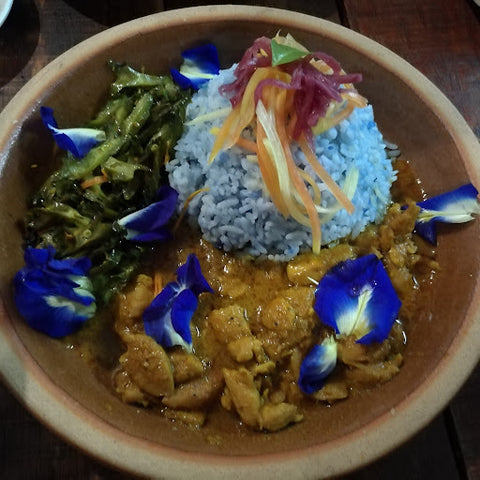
(440,37)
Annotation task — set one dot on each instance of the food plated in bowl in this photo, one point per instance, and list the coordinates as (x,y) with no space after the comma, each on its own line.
(225,440)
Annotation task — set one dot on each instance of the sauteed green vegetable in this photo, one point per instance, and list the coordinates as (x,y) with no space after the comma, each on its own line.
(76,214)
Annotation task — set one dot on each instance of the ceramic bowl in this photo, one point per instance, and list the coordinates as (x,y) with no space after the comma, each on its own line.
(443,346)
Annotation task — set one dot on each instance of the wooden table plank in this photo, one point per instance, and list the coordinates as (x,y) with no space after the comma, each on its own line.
(439,37)
(442,39)
(33,35)
(464,410)
(30,451)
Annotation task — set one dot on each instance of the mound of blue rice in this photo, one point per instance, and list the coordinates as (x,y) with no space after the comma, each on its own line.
(236,213)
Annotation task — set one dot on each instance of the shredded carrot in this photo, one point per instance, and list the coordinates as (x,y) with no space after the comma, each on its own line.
(288,185)
(321,66)
(242,115)
(295,176)
(268,172)
(186,204)
(277,159)
(220,141)
(157,283)
(317,195)
(326,123)
(324,176)
(292,120)
(247,144)
(353,97)
(98,180)
(166,159)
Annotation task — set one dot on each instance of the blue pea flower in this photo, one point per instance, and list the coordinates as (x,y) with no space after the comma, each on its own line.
(457,206)
(78,141)
(149,223)
(356,297)
(54,296)
(317,366)
(199,66)
(167,318)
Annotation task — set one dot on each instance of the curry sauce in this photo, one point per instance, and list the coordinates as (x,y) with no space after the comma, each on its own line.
(251,334)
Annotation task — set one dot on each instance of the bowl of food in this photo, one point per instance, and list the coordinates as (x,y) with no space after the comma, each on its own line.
(236,241)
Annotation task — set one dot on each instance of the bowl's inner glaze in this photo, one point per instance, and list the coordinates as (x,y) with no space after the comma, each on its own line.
(404,119)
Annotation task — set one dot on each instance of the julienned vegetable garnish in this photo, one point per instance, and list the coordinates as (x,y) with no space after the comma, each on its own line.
(293,94)
(147,219)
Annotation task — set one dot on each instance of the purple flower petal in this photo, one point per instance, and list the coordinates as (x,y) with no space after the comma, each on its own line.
(45,258)
(427,230)
(457,206)
(167,319)
(183,308)
(356,297)
(78,141)
(200,65)
(149,223)
(189,275)
(183,81)
(156,317)
(205,57)
(161,235)
(54,296)
(317,366)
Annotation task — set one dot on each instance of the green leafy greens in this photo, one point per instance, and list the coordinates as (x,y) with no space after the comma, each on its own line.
(286,50)
(76,209)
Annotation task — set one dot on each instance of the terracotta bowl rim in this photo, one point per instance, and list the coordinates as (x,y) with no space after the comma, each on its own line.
(98,438)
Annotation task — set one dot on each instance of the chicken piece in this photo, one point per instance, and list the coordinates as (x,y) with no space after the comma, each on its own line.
(288,380)
(226,400)
(279,315)
(303,268)
(148,365)
(186,366)
(244,395)
(265,368)
(301,299)
(232,287)
(229,323)
(131,305)
(198,393)
(191,418)
(402,221)
(350,352)
(331,392)
(278,416)
(371,374)
(245,348)
(129,391)
(291,318)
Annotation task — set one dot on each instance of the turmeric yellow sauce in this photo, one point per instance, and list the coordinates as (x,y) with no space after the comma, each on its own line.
(251,334)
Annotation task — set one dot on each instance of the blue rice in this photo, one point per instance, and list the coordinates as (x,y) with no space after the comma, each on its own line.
(236,213)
